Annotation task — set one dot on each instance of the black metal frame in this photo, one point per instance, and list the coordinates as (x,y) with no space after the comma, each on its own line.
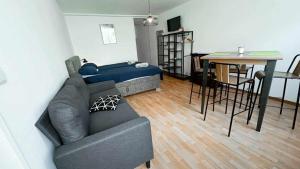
(283,94)
(228,85)
(193,79)
(148,164)
(246,74)
(174,65)
(197,76)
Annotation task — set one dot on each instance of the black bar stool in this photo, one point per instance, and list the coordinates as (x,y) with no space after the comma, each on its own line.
(223,77)
(196,74)
(244,70)
(281,75)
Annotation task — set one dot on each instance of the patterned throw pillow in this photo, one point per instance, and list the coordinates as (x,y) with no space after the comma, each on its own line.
(110,102)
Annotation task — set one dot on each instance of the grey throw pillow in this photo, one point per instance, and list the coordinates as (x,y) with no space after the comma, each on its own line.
(69,114)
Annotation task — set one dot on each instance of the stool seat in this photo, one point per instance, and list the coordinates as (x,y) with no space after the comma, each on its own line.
(280,75)
(233,80)
(242,70)
(200,70)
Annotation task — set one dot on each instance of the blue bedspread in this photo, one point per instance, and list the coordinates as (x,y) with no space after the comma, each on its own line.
(112,66)
(122,72)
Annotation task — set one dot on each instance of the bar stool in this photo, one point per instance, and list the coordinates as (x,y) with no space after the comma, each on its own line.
(196,75)
(281,75)
(223,77)
(244,70)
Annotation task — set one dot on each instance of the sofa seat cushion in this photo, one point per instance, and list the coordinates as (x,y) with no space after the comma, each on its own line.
(69,115)
(103,120)
(113,91)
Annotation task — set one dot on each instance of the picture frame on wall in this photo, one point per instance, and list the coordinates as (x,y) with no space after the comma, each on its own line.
(108,34)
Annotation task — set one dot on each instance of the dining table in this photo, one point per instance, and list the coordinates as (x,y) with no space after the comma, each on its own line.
(266,58)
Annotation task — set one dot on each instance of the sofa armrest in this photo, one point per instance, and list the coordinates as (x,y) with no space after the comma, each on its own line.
(101,86)
(122,147)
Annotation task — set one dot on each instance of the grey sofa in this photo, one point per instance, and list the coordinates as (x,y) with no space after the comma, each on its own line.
(119,139)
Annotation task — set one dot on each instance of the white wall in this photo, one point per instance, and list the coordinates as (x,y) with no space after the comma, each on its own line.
(34,44)
(87,39)
(13,157)
(220,25)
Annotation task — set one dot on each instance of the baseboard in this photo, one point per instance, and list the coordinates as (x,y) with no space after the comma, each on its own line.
(285,101)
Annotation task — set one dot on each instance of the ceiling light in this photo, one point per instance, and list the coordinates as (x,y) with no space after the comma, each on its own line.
(150,20)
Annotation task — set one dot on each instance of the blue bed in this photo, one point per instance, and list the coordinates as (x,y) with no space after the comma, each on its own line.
(119,72)
(129,80)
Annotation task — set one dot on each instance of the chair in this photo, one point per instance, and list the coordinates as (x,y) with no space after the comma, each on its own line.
(223,77)
(244,69)
(196,74)
(260,75)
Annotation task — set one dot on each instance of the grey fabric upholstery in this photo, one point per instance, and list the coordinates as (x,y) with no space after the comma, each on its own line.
(73,65)
(138,85)
(79,83)
(69,114)
(44,124)
(115,140)
(122,147)
(103,120)
(101,86)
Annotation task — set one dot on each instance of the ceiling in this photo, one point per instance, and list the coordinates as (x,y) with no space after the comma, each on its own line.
(117,7)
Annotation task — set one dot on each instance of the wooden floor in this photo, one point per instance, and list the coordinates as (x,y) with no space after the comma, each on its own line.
(183,140)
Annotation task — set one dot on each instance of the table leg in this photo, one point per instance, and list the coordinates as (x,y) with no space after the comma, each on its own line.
(269,70)
(204,83)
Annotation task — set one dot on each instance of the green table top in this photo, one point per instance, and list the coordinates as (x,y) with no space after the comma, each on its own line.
(248,55)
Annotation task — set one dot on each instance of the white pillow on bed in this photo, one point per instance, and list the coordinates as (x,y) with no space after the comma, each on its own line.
(140,65)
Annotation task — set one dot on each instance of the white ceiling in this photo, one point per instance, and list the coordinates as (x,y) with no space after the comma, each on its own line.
(117,7)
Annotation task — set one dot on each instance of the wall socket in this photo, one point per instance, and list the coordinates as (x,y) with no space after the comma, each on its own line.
(2,77)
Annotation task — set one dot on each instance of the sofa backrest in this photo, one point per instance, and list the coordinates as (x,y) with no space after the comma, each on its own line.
(73,65)
(45,126)
(77,81)
(44,123)
(69,114)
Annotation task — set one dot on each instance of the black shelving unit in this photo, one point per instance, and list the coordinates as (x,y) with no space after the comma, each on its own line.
(172,50)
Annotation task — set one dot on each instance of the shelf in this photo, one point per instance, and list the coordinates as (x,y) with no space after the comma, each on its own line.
(166,63)
(173,42)
(173,67)
(177,75)
(172,46)
(178,33)
(176,59)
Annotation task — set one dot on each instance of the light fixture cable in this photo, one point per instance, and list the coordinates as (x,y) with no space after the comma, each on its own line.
(149,8)
(150,20)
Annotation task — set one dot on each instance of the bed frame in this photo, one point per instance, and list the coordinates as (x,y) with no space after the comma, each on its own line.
(126,88)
